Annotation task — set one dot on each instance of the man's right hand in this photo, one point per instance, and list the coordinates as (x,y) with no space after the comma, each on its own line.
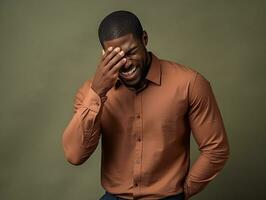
(107,71)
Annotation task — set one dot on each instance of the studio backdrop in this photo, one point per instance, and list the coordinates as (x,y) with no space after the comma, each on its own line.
(49,48)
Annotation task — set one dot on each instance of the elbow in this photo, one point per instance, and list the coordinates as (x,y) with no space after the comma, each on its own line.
(71,153)
(224,153)
(74,160)
(224,157)
(73,157)
(227,152)
(218,154)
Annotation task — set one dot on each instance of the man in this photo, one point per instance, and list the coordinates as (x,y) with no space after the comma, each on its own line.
(145,108)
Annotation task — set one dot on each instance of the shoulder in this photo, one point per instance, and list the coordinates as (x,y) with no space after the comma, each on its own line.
(180,73)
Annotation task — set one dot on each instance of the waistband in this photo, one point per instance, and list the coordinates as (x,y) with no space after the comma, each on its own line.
(179,196)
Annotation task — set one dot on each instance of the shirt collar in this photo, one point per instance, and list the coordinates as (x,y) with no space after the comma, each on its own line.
(154,73)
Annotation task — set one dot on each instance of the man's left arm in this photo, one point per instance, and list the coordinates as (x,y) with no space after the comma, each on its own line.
(209,133)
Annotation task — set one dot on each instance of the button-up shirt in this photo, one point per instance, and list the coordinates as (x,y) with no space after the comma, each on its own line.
(146,134)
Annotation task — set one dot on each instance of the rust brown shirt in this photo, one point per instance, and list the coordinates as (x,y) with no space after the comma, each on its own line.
(146,134)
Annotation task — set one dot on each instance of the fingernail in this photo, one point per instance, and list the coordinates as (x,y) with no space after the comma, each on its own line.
(103,51)
(117,49)
(110,48)
(121,53)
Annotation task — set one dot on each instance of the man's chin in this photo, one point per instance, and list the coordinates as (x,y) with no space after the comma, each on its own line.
(131,83)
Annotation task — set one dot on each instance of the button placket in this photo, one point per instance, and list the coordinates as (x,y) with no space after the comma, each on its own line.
(138,144)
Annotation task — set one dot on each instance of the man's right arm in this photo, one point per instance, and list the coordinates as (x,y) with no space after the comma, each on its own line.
(82,134)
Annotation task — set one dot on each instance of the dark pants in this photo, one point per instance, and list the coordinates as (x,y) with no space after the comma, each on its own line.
(108,196)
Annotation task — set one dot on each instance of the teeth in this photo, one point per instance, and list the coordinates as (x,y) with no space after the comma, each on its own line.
(130,72)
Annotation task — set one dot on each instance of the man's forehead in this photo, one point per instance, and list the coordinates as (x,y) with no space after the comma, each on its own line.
(124,42)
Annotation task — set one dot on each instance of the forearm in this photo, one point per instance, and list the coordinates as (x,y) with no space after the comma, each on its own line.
(213,156)
(82,134)
(204,170)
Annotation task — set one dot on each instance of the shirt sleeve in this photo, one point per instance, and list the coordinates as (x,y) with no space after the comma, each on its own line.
(82,134)
(210,135)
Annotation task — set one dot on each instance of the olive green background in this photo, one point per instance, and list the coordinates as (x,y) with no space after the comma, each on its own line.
(48,48)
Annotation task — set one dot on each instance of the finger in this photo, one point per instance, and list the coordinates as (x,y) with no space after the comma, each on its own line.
(118,65)
(114,60)
(110,56)
(107,52)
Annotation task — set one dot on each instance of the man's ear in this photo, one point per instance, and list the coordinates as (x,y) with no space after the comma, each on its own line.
(144,38)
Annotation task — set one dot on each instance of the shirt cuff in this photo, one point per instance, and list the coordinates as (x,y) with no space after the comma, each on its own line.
(93,101)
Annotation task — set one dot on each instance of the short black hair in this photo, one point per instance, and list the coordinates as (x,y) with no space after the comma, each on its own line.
(118,24)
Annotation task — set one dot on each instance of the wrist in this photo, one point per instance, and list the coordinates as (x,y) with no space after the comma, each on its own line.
(100,93)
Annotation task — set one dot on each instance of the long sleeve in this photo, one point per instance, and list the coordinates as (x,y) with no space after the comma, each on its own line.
(210,135)
(82,134)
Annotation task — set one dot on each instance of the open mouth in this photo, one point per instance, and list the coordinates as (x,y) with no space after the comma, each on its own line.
(128,73)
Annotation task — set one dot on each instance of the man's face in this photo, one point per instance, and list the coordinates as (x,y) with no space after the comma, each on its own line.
(135,53)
